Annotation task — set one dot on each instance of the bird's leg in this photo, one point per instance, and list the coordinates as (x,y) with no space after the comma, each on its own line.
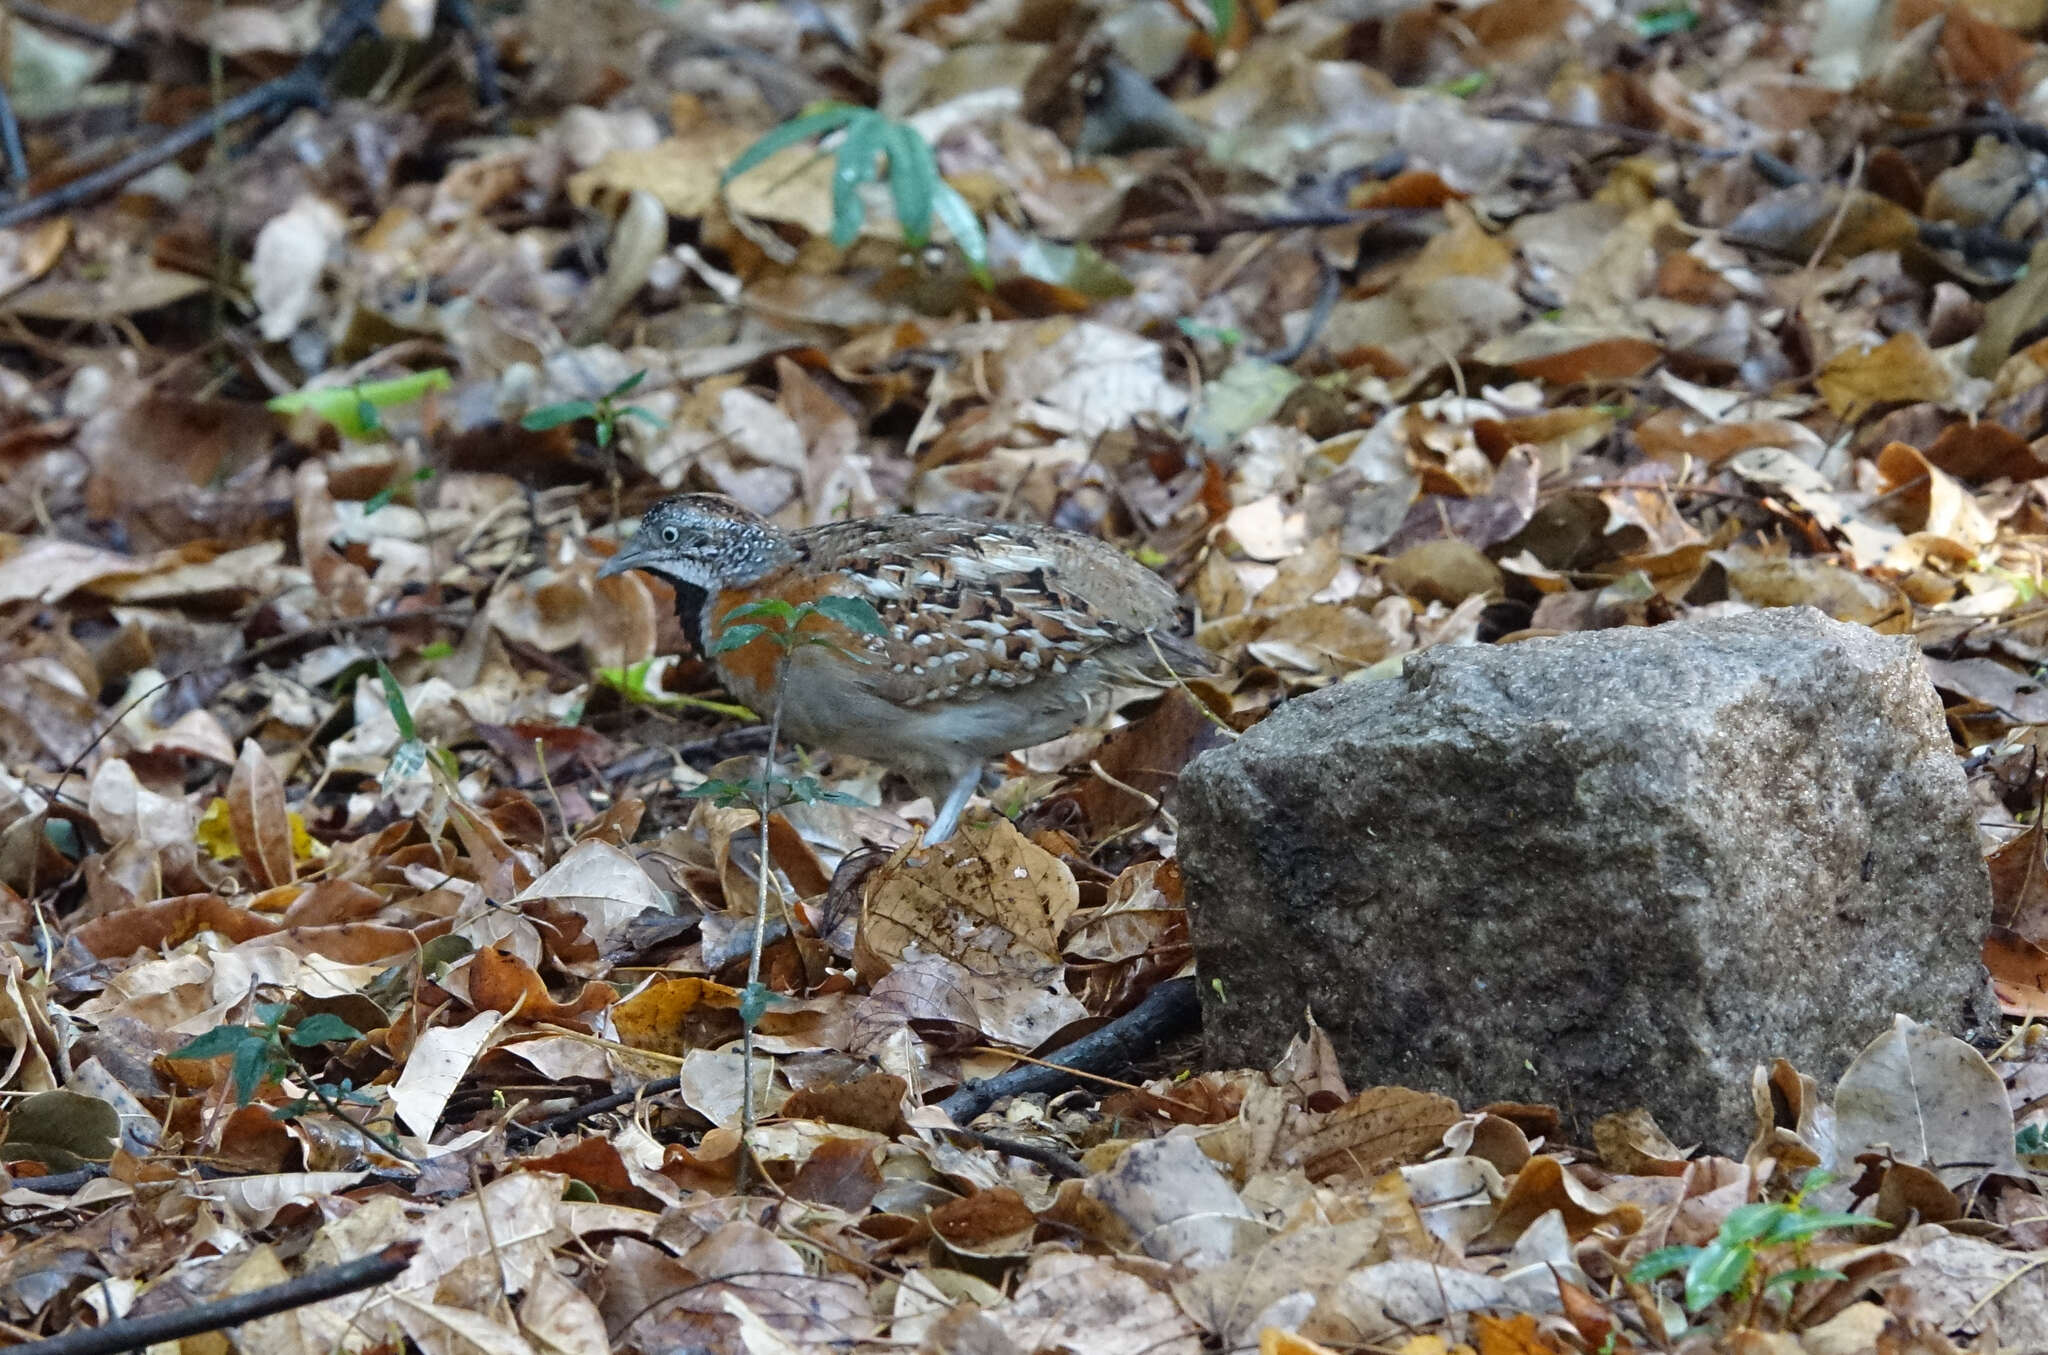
(947,816)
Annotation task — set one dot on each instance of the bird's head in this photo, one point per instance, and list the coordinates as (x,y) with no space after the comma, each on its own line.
(703,540)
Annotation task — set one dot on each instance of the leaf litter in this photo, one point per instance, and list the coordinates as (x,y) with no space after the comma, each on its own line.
(320,738)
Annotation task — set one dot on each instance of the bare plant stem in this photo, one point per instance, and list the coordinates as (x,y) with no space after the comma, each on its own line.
(762,866)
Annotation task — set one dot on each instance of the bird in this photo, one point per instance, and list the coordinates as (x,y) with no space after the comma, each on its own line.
(994,636)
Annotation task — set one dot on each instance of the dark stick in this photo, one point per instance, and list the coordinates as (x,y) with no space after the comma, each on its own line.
(61,1183)
(1328,287)
(1641,136)
(57,21)
(462,14)
(1063,1166)
(733,742)
(575,1115)
(136,1333)
(1209,232)
(304,86)
(1168,1009)
(11,149)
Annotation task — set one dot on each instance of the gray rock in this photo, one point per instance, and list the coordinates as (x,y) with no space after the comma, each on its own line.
(1604,870)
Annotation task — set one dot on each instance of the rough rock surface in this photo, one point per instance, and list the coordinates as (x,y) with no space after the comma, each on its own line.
(1602,870)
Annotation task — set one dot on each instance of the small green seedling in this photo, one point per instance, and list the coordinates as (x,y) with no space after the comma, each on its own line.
(782,624)
(605,412)
(867,137)
(354,411)
(261,1055)
(383,497)
(1744,1259)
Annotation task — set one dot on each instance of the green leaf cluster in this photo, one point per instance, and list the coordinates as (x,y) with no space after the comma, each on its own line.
(868,139)
(604,412)
(1737,1262)
(262,1053)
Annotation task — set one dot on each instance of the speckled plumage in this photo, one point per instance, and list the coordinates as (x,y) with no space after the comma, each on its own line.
(996,635)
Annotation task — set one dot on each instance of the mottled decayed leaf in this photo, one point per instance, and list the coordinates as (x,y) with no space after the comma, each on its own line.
(990,898)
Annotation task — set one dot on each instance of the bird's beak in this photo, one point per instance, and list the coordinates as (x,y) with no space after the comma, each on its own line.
(627,557)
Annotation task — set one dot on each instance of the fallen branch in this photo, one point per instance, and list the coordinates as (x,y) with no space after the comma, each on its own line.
(1169,1009)
(304,86)
(136,1333)
(575,1115)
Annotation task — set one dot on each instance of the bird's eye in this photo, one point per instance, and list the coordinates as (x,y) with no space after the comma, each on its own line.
(669,534)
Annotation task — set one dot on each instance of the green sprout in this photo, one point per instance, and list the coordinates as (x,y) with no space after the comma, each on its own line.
(1742,1259)
(605,413)
(782,624)
(261,1055)
(915,186)
(354,411)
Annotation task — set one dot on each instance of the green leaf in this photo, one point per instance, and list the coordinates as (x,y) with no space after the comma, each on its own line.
(220,1040)
(605,424)
(726,794)
(1222,16)
(853,613)
(252,1068)
(965,228)
(1661,1262)
(62,834)
(403,390)
(1715,1273)
(554,416)
(406,761)
(1196,329)
(754,1000)
(1665,20)
(320,1028)
(345,406)
(1785,1280)
(1803,1223)
(272,1015)
(736,637)
(854,166)
(626,386)
(775,609)
(394,701)
(438,649)
(647,416)
(383,497)
(830,118)
(807,790)
(913,174)
(1751,1221)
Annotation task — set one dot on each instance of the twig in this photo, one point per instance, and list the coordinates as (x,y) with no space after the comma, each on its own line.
(1209,232)
(1641,136)
(304,86)
(1169,1009)
(462,15)
(383,621)
(2031,135)
(136,1333)
(61,1183)
(575,1115)
(57,21)
(11,151)
(1063,1166)
(1328,287)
